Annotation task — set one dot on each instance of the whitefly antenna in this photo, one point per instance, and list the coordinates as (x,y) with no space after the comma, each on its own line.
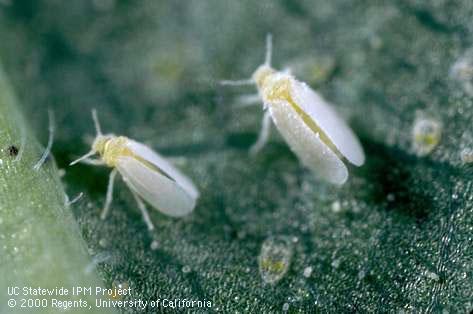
(269,49)
(95,117)
(267,61)
(89,154)
(98,130)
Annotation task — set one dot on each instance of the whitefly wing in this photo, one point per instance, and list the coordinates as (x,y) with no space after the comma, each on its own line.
(328,121)
(164,165)
(155,187)
(306,144)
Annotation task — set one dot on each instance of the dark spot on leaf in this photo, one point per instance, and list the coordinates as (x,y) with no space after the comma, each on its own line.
(13,150)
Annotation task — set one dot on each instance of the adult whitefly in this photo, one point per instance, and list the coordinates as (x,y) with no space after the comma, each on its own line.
(149,176)
(314,131)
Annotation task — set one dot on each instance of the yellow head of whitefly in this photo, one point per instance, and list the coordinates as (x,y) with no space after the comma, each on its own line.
(110,147)
(99,143)
(261,74)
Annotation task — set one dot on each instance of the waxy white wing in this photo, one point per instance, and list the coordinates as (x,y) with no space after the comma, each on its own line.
(306,144)
(160,162)
(328,121)
(155,188)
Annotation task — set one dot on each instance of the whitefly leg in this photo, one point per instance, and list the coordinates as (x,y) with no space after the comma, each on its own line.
(248,100)
(109,197)
(143,210)
(263,135)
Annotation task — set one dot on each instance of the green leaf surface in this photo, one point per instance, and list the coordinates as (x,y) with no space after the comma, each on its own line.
(41,245)
(397,237)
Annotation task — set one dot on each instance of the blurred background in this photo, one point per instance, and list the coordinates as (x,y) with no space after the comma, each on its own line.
(267,235)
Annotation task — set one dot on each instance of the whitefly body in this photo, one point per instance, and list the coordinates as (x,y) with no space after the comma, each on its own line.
(314,131)
(149,176)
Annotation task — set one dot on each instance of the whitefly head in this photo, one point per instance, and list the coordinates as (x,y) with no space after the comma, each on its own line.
(261,73)
(100,141)
(99,144)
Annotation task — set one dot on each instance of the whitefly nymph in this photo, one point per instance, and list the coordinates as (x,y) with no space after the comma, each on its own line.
(148,175)
(314,131)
